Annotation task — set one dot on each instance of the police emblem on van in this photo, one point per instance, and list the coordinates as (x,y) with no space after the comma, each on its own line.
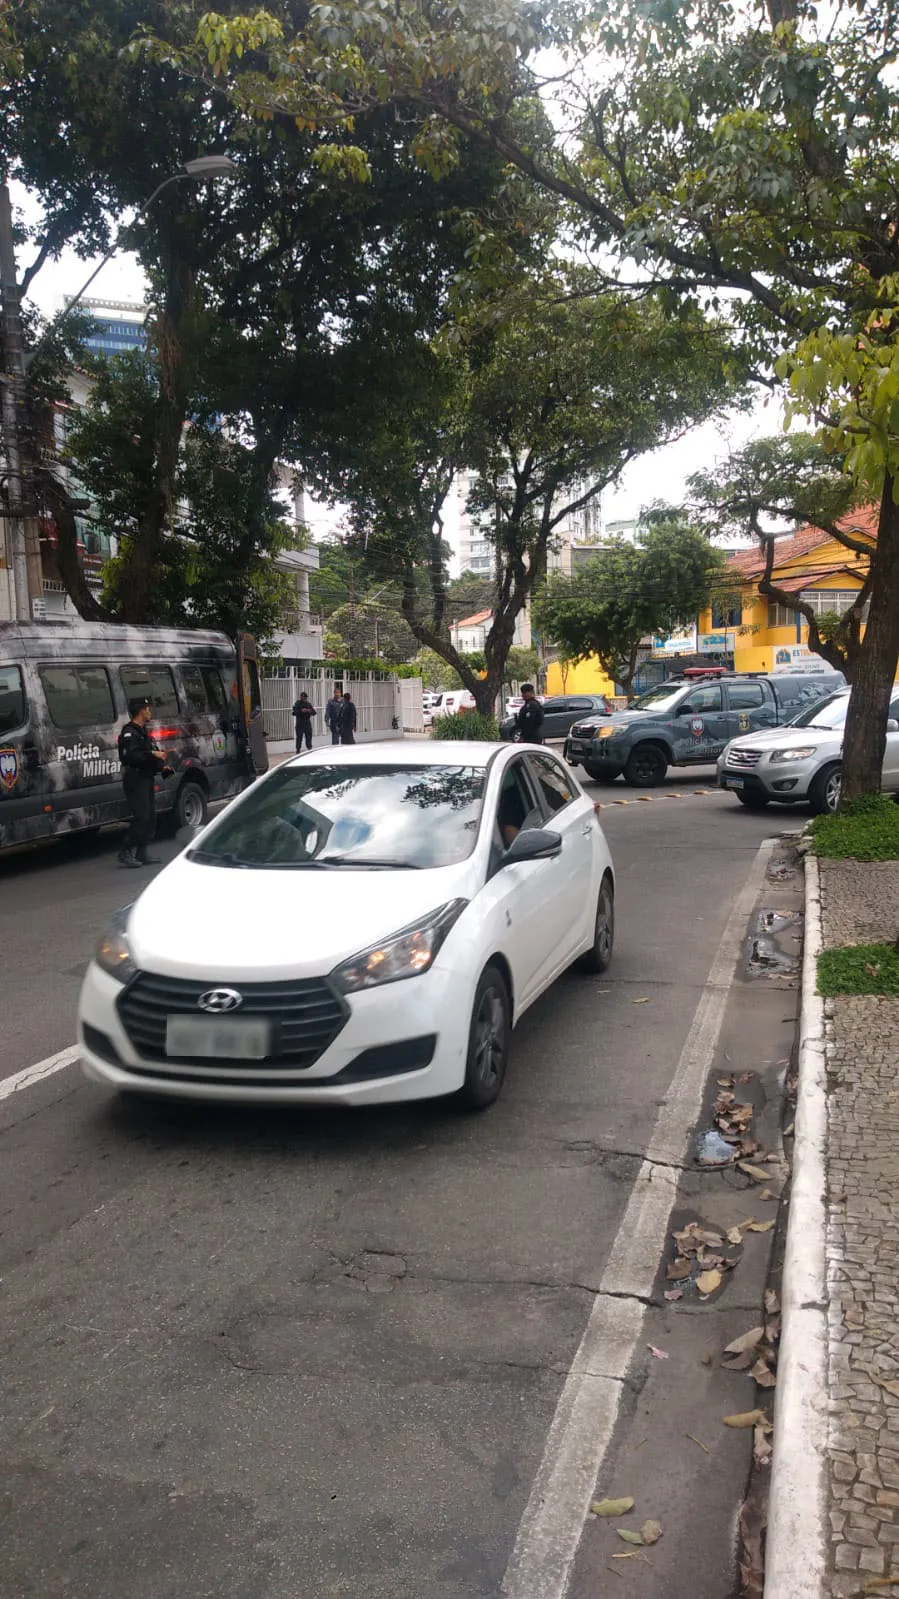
(9,768)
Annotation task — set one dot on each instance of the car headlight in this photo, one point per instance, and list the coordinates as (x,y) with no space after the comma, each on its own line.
(608,732)
(407,953)
(113,952)
(800,752)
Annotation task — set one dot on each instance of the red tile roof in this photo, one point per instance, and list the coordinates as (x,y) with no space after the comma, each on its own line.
(751,563)
(474,621)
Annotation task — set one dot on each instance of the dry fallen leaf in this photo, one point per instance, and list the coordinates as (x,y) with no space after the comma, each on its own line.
(760,1226)
(725,1082)
(708,1281)
(772,1303)
(612,1507)
(678,1270)
(674,1293)
(789,1131)
(660,1354)
(762,1373)
(746,1418)
(640,1002)
(628,1536)
(738,1362)
(651,1531)
(761,1448)
(765,1193)
(694,1440)
(746,1340)
(734,1235)
(753,1171)
(872,968)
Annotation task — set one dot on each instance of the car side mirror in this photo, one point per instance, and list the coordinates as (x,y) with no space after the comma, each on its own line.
(892,725)
(535,844)
(684,710)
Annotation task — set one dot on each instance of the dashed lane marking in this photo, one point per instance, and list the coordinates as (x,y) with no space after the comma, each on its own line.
(37,1073)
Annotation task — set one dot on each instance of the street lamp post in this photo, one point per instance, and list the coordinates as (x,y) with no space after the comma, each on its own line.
(23,541)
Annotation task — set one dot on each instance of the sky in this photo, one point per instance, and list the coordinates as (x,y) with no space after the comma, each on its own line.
(660,475)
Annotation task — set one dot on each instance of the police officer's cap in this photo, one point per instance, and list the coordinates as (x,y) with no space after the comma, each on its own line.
(138,704)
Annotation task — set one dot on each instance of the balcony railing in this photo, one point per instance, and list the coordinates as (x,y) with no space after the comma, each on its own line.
(293,621)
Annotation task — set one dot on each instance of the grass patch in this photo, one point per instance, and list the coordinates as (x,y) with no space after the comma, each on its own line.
(859,969)
(867,830)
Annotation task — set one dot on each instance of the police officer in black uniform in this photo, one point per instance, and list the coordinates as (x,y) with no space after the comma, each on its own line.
(530,717)
(142,762)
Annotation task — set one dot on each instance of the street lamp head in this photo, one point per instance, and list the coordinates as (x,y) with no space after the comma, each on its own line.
(210,166)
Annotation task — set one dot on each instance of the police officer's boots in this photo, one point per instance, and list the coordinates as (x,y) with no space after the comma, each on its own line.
(142,858)
(128,857)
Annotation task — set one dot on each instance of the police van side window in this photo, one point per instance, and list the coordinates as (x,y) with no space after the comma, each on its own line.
(78,697)
(12,699)
(215,689)
(155,681)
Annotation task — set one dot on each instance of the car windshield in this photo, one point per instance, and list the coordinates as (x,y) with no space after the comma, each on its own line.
(657,699)
(323,817)
(829,712)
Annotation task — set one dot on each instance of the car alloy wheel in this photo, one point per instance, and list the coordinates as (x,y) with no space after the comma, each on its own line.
(488,1041)
(824,792)
(599,957)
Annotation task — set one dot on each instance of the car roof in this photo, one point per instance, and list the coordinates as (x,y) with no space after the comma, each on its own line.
(413,752)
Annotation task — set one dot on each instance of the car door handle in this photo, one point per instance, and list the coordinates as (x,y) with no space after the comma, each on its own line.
(587,830)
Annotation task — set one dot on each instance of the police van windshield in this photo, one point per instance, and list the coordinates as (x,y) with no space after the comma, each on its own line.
(658,699)
(322,817)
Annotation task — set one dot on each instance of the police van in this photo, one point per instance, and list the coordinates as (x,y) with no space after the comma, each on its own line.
(64,692)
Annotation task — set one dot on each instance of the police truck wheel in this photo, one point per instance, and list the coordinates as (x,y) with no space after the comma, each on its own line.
(603,774)
(824,792)
(191,807)
(646,766)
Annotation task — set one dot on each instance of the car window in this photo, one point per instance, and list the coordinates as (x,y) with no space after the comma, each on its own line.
(323,816)
(702,700)
(745,696)
(827,712)
(517,809)
(156,682)
(215,689)
(894,710)
(78,696)
(553,784)
(12,699)
(660,699)
(583,704)
(549,706)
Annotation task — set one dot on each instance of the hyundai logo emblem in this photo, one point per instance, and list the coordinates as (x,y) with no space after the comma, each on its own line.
(219,1000)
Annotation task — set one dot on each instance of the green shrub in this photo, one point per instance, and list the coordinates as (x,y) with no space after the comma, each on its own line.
(465,725)
(867,830)
(859,969)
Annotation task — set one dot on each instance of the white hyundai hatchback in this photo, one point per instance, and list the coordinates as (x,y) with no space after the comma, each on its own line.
(365,924)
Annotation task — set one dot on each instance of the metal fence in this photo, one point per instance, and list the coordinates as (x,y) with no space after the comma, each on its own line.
(384,703)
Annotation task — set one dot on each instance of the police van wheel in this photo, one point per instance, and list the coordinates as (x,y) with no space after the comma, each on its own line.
(191,807)
(646,766)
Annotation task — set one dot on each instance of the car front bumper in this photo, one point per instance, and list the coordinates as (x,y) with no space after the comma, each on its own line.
(402,1041)
(787,781)
(595,752)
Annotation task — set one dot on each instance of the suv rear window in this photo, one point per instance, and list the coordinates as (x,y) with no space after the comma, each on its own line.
(12,699)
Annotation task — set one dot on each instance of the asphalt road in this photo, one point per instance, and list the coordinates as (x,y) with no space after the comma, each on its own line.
(265,1355)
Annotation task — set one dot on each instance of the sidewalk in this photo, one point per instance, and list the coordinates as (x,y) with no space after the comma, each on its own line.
(845,1246)
(860,903)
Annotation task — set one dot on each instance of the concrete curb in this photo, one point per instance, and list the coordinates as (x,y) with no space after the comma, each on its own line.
(797,1543)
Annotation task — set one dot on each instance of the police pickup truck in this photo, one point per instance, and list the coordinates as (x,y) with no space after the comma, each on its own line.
(688,720)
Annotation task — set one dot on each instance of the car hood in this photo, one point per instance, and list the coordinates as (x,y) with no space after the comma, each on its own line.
(616,718)
(198,920)
(781,738)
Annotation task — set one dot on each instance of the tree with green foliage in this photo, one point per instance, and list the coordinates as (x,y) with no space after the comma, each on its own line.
(792,479)
(610,605)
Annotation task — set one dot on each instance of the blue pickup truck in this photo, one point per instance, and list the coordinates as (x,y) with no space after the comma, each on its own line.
(688,721)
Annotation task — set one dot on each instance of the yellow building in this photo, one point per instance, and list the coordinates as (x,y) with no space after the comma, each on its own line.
(762,634)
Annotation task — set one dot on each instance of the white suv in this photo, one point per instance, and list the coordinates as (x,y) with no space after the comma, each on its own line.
(802,761)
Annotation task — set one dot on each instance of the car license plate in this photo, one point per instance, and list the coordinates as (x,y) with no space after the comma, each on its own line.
(217,1037)
(576,745)
(733,782)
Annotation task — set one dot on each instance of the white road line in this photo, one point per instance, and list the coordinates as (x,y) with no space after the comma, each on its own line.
(582,1427)
(37,1073)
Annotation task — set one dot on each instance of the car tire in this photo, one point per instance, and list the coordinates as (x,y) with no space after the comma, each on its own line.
(489,1038)
(191,807)
(646,766)
(754,802)
(824,790)
(603,774)
(598,958)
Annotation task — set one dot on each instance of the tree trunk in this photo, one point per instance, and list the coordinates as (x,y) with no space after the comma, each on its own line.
(56,498)
(875,668)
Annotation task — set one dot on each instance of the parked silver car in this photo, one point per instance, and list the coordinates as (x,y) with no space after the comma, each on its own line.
(802,761)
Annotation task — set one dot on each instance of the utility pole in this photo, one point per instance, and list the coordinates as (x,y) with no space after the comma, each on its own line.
(22,542)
